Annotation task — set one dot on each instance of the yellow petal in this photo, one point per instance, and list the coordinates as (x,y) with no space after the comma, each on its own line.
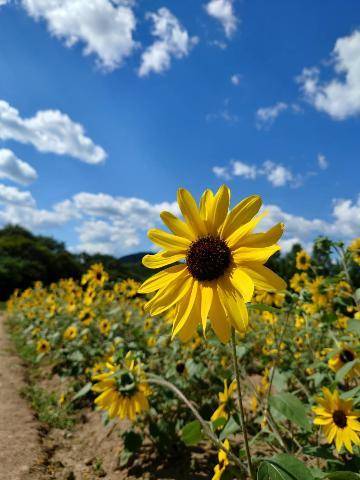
(263,277)
(182,319)
(235,309)
(219,209)
(169,296)
(242,282)
(206,300)
(265,239)
(177,226)
(206,201)
(190,326)
(241,214)
(218,319)
(247,254)
(169,241)
(161,259)
(190,211)
(235,239)
(161,279)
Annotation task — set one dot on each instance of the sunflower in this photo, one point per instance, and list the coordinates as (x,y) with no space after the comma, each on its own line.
(70,333)
(223,462)
(86,316)
(96,275)
(224,399)
(338,422)
(299,281)
(341,358)
(123,390)
(221,261)
(104,326)
(129,288)
(302,260)
(355,250)
(43,346)
(318,291)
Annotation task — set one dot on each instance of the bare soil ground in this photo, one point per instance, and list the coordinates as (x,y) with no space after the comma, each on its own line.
(19,439)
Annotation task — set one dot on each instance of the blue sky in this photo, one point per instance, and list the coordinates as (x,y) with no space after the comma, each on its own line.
(106,109)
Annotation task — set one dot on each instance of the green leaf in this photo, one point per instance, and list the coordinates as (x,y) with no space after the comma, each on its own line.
(343,476)
(292,409)
(132,441)
(231,427)
(283,467)
(354,325)
(191,433)
(357,294)
(218,423)
(84,391)
(351,393)
(264,308)
(341,374)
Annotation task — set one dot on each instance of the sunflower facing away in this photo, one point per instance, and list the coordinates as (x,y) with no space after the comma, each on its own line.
(123,391)
(339,423)
(342,357)
(221,261)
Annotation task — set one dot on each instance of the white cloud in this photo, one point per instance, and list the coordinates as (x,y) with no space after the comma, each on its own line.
(14,169)
(105,27)
(49,131)
(173,41)
(340,96)
(266,116)
(3,2)
(275,173)
(322,161)
(223,11)
(236,79)
(14,196)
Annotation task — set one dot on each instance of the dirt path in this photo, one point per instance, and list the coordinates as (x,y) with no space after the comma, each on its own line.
(19,445)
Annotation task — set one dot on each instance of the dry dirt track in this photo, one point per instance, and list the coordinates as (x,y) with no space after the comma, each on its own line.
(19,445)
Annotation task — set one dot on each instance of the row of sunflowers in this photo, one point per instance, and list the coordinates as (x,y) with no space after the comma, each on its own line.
(273,385)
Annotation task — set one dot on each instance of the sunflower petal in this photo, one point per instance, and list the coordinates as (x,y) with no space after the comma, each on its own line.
(219,209)
(161,259)
(180,322)
(168,296)
(206,300)
(242,282)
(169,241)
(161,279)
(235,309)
(241,214)
(218,319)
(266,239)
(177,226)
(247,254)
(263,277)
(235,239)
(190,211)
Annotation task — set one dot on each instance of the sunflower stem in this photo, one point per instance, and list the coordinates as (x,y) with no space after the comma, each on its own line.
(241,406)
(154,379)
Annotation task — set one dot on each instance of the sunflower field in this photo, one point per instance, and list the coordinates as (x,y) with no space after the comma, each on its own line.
(215,355)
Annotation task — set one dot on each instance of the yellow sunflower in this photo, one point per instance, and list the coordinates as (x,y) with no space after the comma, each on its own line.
(70,333)
(123,391)
(129,288)
(318,291)
(221,261)
(341,358)
(299,281)
(302,260)
(224,399)
(337,419)
(104,326)
(223,462)
(96,275)
(43,346)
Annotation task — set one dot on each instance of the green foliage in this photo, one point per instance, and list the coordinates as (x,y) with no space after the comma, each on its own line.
(292,409)
(284,467)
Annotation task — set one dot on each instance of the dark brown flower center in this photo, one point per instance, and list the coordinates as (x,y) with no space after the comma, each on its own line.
(347,356)
(208,258)
(340,418)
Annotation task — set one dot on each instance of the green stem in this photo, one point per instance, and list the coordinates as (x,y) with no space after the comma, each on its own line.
(241,406)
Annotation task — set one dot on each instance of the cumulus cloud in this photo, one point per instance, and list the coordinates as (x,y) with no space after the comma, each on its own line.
(265,116)
(49,131)
(14,196)
(340,96)
(172,41)
(322,161)
(275,173)
(236,79)
(14,169)
(223,11)
(3,2)
(105,27)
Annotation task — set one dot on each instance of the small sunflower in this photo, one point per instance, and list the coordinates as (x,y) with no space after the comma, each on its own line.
(302,260)
(299,281)
(129,288)
(104,326)
(337,419)
(318,291)
(221,262)
(341,358)
(96,275)
(123,390)
(223,462)
(71,333)
(224,399)
(43,346)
